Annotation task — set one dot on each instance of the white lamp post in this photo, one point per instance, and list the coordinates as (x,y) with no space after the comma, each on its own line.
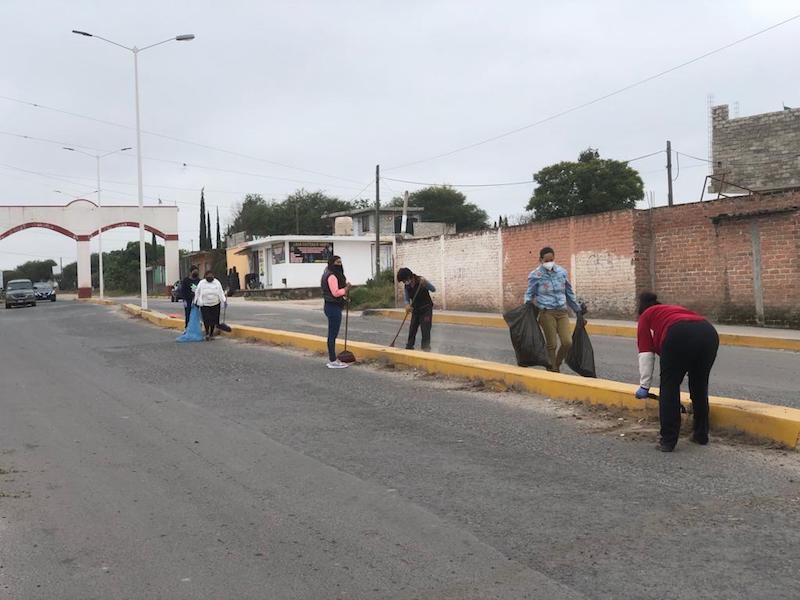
(135,51)
(97,157)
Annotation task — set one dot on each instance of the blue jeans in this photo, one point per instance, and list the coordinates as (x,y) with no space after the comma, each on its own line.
(334,314)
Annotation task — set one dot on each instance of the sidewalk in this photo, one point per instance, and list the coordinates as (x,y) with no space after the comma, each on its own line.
(729,335)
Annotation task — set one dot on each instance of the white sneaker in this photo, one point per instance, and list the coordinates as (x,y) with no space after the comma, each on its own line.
(337,364)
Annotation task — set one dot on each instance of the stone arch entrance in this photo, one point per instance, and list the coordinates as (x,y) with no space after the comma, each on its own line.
(82,220)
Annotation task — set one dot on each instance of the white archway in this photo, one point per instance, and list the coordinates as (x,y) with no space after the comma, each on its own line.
(82,220)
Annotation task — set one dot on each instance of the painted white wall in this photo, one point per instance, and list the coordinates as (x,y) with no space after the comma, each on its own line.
(356,257)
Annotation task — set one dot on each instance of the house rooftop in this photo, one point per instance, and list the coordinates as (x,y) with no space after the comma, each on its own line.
(363,211)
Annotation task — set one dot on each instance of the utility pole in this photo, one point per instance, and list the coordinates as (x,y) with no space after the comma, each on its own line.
(404,220)
(377,220)
(669,173)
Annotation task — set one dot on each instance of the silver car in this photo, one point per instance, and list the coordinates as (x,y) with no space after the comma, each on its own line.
(20,292)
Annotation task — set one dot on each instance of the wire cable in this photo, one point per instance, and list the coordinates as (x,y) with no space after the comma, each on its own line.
(172,138)
(598,99)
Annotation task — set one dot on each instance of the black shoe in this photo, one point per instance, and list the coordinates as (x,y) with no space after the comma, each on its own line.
(426,348)
(696,438)
(409,347)
(664,447)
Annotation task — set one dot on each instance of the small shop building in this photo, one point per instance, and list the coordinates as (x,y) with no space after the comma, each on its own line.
(297,261)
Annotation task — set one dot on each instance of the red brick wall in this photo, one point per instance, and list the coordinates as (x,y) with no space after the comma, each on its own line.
(701,256)
(597,250)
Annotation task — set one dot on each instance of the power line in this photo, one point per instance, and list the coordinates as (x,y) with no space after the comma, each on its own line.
(174,139)
(180,163)
(779,158)
(598,99)
(464,185)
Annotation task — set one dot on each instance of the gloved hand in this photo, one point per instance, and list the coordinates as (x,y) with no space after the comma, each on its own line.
(584,310)
(408,309)
(642,392)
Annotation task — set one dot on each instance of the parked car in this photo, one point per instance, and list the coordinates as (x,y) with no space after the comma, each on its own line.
(44,291)
(20,292)
(176,293)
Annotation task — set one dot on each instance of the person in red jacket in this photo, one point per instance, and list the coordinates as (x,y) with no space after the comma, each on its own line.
(687,344)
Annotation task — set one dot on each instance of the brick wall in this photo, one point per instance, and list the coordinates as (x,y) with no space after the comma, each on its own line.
(597,250)
(699,255)
(758,152)
(703,256)
(465,268)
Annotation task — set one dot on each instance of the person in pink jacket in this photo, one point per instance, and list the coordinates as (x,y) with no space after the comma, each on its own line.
(334,291)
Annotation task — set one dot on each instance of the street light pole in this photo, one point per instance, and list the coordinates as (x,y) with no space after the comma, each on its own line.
(135,50)
(97,157)
(142,252)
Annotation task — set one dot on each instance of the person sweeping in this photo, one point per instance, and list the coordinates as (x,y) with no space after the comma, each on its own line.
(417,294)
(687,344)
(210,296)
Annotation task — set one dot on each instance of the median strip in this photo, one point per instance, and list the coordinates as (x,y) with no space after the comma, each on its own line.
(622,330)
(776,423)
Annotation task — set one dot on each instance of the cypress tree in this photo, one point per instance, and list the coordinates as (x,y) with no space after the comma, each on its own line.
(209,239)
(202,245)
(219,233)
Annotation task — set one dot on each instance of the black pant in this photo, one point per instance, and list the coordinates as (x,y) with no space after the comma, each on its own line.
(420,318)
(188,310)
(689,347)
(210,318)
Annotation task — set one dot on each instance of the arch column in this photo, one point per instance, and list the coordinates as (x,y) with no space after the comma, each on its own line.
(84,267)
(171,261)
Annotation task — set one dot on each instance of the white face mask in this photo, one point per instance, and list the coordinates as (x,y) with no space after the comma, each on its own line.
(549,265)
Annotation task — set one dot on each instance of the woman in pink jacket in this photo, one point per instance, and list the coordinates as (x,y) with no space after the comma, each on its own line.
(334,291)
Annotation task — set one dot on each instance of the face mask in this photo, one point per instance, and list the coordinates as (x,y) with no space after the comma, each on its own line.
(195,275)
(549,265)
(209,279)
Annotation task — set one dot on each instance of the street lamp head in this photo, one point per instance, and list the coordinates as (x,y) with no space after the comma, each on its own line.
(183,38)
(82,33)
(70,149)
(123,149)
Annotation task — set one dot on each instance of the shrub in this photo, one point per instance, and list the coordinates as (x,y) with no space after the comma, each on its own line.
(377,293)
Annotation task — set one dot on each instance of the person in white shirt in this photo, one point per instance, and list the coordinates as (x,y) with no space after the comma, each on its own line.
(209,296)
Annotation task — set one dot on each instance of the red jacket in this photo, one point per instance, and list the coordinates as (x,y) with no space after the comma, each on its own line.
(656,321)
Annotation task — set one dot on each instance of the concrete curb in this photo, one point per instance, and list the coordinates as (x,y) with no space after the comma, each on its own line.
(105,302)
(497,322)
(776,423)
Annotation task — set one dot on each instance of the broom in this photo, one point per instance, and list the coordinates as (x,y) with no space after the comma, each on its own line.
(345,355)
(223,326)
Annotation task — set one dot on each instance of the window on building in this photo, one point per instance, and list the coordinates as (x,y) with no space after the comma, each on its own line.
(278,254)
(365,223)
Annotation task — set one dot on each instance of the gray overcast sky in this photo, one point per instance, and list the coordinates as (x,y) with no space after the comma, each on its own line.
(339,86)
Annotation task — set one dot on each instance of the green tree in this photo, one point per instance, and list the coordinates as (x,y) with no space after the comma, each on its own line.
(202,240)
(209,239)
(444,204)
(35,270)
(300,213)
(219,233)
(590,185)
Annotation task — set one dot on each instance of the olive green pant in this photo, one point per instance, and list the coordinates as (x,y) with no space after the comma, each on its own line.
(555,325)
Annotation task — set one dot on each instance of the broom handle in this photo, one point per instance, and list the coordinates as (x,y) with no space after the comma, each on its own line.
(346,320)
(397,335)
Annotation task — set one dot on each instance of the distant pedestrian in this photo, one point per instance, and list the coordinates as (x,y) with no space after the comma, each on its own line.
(417,295)
(188,287)
(210,296)
(334,291)
(687,344)
(550,289)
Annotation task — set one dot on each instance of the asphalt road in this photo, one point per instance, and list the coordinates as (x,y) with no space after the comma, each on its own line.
(770,376)
(135,467)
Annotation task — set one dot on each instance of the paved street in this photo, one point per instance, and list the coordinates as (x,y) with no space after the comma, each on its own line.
(135,467)
(770,376)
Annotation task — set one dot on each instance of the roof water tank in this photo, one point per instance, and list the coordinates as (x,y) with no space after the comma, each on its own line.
(343,226)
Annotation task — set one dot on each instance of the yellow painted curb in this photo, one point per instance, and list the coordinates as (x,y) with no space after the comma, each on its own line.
(777,423)
(628,331)
(104,302)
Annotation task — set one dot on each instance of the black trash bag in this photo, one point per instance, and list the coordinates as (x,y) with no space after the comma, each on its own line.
(527,337)
(580,357)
